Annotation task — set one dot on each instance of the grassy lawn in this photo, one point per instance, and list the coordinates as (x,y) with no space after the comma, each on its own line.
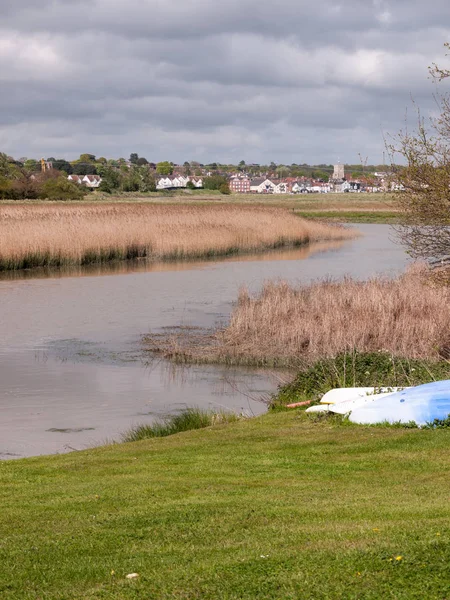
(274,507)
(351,216)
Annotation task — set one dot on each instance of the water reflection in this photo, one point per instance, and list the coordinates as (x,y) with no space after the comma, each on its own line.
(148,266)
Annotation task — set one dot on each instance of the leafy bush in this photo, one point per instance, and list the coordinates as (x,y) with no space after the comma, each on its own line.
(438,423)
(373,369)
(225,189)
(5,188)
(62,189)
(214,182)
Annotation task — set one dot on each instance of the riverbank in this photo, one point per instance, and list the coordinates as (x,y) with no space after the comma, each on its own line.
(292,326)
(45,235)
(274,507)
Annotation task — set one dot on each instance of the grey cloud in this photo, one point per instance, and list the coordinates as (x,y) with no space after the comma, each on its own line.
(186,79)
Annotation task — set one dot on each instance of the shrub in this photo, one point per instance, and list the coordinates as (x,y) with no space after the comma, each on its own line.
(62,189)
(372,369)
(439,424)
(214,182)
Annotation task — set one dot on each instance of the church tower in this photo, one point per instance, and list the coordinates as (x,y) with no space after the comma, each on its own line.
(339,172)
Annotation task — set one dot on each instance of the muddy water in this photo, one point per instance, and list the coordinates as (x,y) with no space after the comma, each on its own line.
(71,373)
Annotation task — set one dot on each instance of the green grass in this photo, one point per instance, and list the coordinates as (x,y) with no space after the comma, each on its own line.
(275,507)
(186,420)
(357,216)
(355,369)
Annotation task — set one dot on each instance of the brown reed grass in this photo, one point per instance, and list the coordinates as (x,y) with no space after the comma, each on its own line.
(295,326)
(59,235)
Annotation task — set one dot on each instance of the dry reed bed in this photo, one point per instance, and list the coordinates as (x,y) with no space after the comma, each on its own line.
(295,326)
(58,235)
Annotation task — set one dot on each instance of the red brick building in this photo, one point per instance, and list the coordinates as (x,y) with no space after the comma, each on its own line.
(240,185)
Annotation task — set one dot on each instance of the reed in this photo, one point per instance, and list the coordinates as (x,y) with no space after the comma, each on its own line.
(293,326)
(62,235)
(186,420)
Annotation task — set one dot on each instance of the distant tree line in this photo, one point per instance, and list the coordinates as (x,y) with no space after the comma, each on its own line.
(18,182)
(24,178)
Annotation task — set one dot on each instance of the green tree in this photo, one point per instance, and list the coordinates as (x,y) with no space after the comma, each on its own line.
(5,188)
(164,168)
(134,157)
(87,158)
(130,182)
(63,165)
(8,169)
(282,171)
(111,179)
(225,189)
(317,174)
(83,168)
(146,180)
(61,189)
(214,182)
(32,165)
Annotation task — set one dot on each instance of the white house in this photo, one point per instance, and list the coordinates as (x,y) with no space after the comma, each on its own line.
(342,187)
(92,181)
(178,182)
(75,178)
(301,188)
(281,188)
(164,183)
(262,186)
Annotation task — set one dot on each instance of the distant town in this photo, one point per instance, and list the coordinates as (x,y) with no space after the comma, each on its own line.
(33,178)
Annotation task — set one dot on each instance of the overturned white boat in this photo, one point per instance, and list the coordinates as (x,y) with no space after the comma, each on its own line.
(344,400)
(421,404)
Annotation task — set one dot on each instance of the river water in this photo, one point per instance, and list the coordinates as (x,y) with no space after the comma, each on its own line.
(71,369)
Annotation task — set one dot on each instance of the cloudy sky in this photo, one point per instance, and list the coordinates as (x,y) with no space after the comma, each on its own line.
(288,81)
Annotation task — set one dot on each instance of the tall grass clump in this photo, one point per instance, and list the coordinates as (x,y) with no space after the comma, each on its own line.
(63,235)
(294,326)
(186,420)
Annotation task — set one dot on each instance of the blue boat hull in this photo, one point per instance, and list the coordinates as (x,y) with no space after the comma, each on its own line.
(422,404)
